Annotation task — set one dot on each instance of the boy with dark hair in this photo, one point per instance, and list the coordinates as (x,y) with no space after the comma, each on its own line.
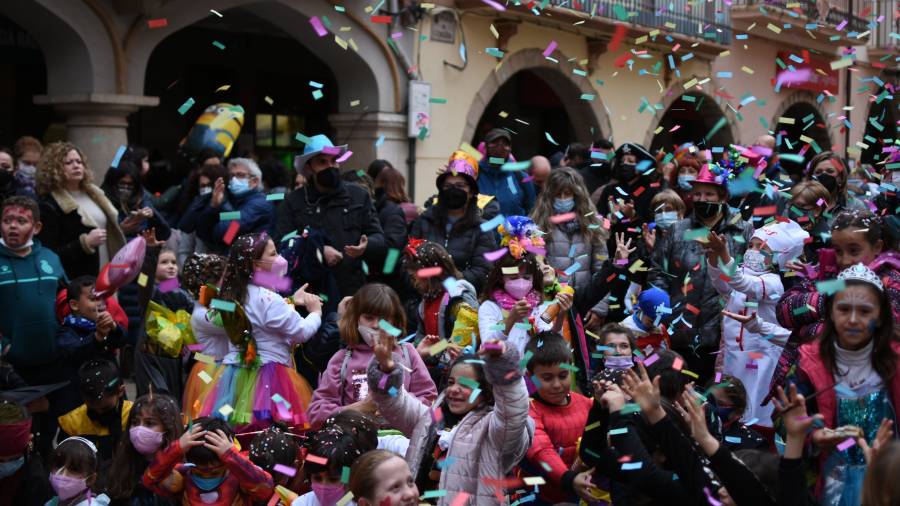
(87,332)
(559,416)
(214,473)
(104,415)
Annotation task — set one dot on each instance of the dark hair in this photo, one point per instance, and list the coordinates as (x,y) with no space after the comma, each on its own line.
(201,269)
(431,254)
(98,377)
(394,185)
(603,144)
(273,446)
(487,392)
(25,203)
(244,251)
(136,154)
(671,381)
(338,446)
(864,219)
(362,473)
(111,181)
(74,455)
(881,486)
(191,189)
(377,166)
(617,328)
(495,277)
(734,389)
(359,424)
(580,150)
(884,359)
(75,287)
(360,179)
(548,348)
(763,465)
(200,455)
(207,153)
(126,461)
(274,174)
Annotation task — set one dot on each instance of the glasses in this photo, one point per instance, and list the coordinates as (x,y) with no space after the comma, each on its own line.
(459,186)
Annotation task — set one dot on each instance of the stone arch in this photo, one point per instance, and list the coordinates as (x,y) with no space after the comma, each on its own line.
(802,97)
(75,43)
(376,82)
(675,91)
(558,76)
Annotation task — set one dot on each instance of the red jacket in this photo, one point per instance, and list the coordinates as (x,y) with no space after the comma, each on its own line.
(557,430)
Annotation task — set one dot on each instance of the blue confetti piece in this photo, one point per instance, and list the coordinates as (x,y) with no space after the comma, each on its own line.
(492,224)
(512,185)
(118,157)
(632,466)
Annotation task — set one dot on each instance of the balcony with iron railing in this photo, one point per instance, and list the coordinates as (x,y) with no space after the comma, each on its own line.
(823,24)
(884,42)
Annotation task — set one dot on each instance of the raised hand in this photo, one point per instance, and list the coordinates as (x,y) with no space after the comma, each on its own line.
(218,442)
(383,348)
(717,248)
(644,392)
(612,398)
(424,346)
(492,349)
(149,236)
(649,237)
(517,313)
(359,249)
(218,193)
(697,418)
(882,437)
(191,438)
(623,247)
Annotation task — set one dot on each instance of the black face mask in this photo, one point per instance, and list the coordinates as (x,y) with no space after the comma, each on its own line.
(707,210)
(106,418)
(828,181)
(626,172)
(328,178)
(453,198)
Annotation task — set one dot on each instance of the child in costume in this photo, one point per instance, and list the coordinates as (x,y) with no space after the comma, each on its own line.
(750,352)
(374,308)
(339,448)
(645,322)
(73,470)
(258,382)
(512,302)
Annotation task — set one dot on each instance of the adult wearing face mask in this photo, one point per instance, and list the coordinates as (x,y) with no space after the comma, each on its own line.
(515,196)
(241,194)
(27,153)
(678,262)
(454,221)
(829,170)
(344,213)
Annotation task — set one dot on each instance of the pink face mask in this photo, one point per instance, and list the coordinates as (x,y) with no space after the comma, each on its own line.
(328,494)
(145,440)
(518,288)
(67,487)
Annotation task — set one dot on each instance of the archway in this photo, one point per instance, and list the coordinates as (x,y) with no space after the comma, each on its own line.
(800,129)
(692,117)
(881,128)
(568,109)
(23,75)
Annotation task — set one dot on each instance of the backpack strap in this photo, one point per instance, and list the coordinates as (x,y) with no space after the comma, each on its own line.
(344,365)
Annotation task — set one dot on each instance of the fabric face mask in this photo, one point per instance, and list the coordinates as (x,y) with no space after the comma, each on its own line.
(10,468)
(684,182)
(563,205)
(145,440)
(238,186)
(666,218)
(205,190)
(618,362)
(328,494)
(207,484)
(67,487)
(707,210)
(755,261)
(369,335)
(518,288)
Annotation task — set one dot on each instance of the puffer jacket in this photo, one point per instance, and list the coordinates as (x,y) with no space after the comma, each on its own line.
(488,441)
(256,215)
(565,249)
(467,295)
(675,269)
(466,244)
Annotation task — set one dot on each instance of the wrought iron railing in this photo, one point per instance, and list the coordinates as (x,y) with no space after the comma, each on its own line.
(708,21)
(844,13)
(886,33)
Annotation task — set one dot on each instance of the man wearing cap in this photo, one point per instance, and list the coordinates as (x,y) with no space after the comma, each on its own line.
(514,196)
(679,267)
(343,212)
(241,194)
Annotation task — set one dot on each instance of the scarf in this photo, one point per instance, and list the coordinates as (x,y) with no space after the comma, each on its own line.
(507,301)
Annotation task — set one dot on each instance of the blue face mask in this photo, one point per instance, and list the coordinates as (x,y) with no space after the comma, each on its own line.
(724,412)
(684,182)
(563,205)
(666,218)
(207,484)
(238,186)
(10,468)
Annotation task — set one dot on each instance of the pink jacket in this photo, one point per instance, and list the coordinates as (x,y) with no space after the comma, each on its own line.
(335,392)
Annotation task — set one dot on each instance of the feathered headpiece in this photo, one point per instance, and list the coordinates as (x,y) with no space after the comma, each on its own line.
(520,234)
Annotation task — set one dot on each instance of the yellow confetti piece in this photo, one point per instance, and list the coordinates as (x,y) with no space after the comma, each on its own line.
(636,266)
(510,270)
(341,42)
(438,347)
(495,32)
(142,280)
(427,5)
(533,480)
(670,25)
(690,373)
(346,499)
(725,53)
(268,100)
(658,130)
(690,83)
(774,28)
(204,376)
(354,103)
(344,29)
(786,120)
(640,40)
(653,33)
(806,139)
(751,27)
(224,87)
(226,410)
(591,426)
(353,45)
(206,359)
(747,70)
(472,151)
(839,64)
(503,114)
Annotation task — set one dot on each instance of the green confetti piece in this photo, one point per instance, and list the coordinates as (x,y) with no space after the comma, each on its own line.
(630,408)
(222,305)
(423,133)
(275,196)
(522,325)
(495,160)
(302,138)
(616,432)
(387,327)
(800,310)
(515,166)
(340,9)
(345,475)
(830,286)
(467,382)
(317,94)
(550,138)
(569,367)
(230,216)
(524,362)
(620,13)
(697,233)
(186,106)
(219,45)
(588,96)
(288,237)
(435,100)
(365,267)
(718,126)
(431,494)
(390,260)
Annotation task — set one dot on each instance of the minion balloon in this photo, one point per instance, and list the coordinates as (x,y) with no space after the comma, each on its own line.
(217,129)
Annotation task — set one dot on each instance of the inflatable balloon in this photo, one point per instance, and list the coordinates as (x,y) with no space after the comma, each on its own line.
(122,269)
(216,129)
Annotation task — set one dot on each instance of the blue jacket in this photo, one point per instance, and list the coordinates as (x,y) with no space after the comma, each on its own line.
(28,287)
(515,197)
(257,215)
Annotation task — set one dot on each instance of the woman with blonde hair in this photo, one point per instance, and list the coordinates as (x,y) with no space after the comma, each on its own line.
(575,241)
(79,223)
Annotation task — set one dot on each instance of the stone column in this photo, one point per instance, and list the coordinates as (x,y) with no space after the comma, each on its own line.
(362,132)
(97,123)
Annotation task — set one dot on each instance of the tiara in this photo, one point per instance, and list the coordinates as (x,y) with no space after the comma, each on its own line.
(862,273)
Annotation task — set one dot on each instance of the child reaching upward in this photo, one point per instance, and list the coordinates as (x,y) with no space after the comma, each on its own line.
(258,382)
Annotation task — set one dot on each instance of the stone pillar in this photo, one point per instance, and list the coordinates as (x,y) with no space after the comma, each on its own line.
(97,123)
(361,133)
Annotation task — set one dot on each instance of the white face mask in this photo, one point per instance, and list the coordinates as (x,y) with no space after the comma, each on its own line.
(369,335)
(29,243)
(205,190)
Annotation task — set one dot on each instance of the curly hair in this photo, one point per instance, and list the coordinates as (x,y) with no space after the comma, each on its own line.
(51,175)
(565,178)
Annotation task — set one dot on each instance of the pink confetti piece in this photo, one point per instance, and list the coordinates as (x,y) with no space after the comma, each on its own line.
(550,48)
(677,364)
(847,443)
(493,256)
(283,412)
(718,377)
(429,272)
(383,381)
(841,26)
(315,459)
(712,500)
(317,26)
(331,150)
(195,347)
(460,499)
(494,5)
(345,156)
(649,360)
(285,470)
(168,285)
(794,77)
(269,279)
(556,219)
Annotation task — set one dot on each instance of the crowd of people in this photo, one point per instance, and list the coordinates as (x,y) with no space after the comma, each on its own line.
(610,325)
